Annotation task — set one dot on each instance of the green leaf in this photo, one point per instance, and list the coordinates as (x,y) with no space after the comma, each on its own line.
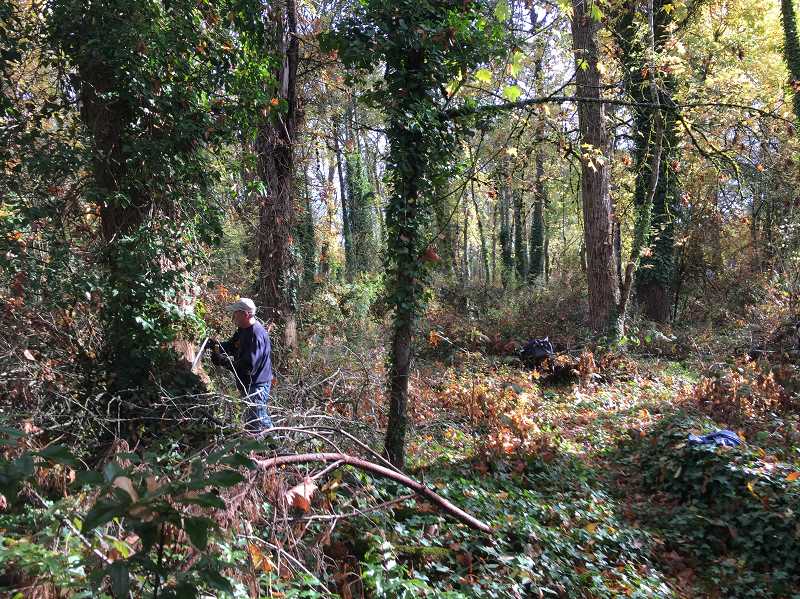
(58,454)
(512,92)
(111,471)
(24,465)
(184,590)
(197,529)
(88,477)
(205,500)
(483,75)
(120,579)
(224,478)
(596,13)
(515,66)
(217,581)
(102,512)
(238,459)
(502,11)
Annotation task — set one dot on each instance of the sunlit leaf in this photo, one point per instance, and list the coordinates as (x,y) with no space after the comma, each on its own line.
(502,10)
(512,92)
(483,75)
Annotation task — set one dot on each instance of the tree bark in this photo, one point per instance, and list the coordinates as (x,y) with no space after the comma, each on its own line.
(347,224)
(519,237)
(536,267)
(481,234)
(506,253)
(791,50)
(601,259)
(275,158)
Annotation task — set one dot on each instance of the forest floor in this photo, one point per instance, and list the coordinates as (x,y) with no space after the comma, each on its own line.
(586,480)
(590,486)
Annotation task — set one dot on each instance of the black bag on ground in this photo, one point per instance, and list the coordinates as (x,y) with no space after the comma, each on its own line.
(536,351)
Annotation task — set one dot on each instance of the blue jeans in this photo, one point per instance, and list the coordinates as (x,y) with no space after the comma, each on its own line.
(256,416)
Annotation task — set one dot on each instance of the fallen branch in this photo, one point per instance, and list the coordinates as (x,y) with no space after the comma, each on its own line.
(378,470)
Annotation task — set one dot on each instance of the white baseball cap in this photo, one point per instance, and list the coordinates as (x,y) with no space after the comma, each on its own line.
(245,304)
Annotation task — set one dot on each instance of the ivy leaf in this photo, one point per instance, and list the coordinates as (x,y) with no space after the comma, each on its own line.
(512,92)
(483,75)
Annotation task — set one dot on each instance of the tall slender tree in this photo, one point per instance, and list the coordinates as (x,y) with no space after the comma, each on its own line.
(422,45)
(791,50)
(275,147)
(601,258)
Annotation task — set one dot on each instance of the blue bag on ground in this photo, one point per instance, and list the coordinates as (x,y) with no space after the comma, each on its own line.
(724,438)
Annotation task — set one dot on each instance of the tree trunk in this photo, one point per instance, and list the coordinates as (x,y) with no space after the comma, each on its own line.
(519,237)
(791,50)
(347,224)
(506,253)
(443,211)
(536,268)
(275,156)
(482,235)
(601,259)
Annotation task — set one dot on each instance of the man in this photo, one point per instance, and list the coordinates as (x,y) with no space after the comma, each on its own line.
(248,355)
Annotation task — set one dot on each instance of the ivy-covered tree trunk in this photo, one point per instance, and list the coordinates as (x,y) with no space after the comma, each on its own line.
(306,237)
(278,270)
(421,135)
(520,255)
(506,251)
(536,268)
(143,107)
(601,259)
(791,50)
(481,235)
(656,273)
(654,227)
(362,214)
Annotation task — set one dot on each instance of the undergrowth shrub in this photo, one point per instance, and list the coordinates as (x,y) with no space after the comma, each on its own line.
(731,508)
(746,396)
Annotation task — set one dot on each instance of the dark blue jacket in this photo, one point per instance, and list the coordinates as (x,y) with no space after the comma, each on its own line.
(251,351)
